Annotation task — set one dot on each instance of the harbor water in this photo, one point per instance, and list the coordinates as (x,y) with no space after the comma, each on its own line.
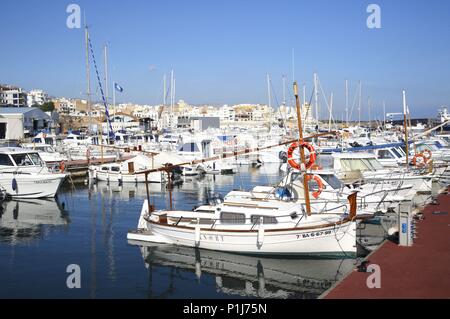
(87,225)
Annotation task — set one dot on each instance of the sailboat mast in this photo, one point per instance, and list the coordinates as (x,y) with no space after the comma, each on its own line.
(405,127)
(316,98)
(359,105)
(88,76)
(302,151)
(331,112)
(164,90)
(106,85)
(346,101)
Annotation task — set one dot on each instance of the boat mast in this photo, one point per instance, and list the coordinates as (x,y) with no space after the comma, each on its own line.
(331,113)
(268,95)
(359,105)
(106,90)
(88,75)
(346,101)
(302,151)
(405,127)
(316,99)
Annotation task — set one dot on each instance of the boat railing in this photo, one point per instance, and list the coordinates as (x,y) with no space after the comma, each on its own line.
(253,221)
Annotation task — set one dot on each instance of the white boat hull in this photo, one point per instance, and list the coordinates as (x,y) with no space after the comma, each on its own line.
(327,240)
(31,185)
(115,177)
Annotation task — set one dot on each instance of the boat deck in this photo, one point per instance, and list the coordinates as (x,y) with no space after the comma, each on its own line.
(420,271)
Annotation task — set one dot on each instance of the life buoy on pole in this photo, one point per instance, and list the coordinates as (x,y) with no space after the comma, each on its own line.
(317,179)
(62,166)
(312,155)
(417,163)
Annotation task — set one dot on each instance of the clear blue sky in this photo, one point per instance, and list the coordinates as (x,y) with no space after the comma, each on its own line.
(222,50)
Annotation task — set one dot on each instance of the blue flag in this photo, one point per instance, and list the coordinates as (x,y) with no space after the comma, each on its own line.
(118,87)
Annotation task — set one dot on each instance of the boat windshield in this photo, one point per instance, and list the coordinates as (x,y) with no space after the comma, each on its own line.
(362,164)
(36,159)
(396,152)
(332,180)
(22,159)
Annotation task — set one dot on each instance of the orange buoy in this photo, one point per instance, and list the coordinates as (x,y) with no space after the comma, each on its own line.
(317,179)
(312,155)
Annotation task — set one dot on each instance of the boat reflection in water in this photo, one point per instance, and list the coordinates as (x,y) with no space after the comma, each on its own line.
(248,276)
(22,221)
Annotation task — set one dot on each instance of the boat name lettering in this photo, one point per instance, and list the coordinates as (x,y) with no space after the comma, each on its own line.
(314,234)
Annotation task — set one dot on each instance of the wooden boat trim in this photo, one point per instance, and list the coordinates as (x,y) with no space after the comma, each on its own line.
(255,230)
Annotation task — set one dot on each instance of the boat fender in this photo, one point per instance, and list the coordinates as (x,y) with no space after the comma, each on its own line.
(293,163)
(62,166)
(120,179)
(197,233)
(260,239)
(14,184)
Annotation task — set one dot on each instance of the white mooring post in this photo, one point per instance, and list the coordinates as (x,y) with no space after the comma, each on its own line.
(405,227)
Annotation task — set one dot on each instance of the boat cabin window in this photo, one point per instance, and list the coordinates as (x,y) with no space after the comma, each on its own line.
(232,218)
(36,159)
(5,160)
(22,160)
(36,140)
(362,164)
(49,140)
(396,152)
(266,219)
(105,168)
(189,147)
(332,180)
(115,169)
(325,160)
(385,154)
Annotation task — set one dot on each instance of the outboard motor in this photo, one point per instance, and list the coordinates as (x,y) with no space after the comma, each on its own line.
(282,155)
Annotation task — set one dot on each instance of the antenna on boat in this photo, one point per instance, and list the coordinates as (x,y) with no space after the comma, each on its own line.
(302,152)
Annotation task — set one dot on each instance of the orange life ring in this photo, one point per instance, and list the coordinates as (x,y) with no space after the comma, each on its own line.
(419,164)
(428,152)
(62,166)
(317,193)
(312,155)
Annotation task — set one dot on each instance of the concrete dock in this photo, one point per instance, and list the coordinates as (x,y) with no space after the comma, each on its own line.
(419,271)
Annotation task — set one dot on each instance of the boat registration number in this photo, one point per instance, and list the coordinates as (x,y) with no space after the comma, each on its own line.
(314,234)
(43,182)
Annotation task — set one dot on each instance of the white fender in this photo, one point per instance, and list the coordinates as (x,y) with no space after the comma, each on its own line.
(120,178)
(142,224)
(197,233)
(260,240)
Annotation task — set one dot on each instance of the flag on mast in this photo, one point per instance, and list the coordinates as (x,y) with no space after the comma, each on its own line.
(118,87)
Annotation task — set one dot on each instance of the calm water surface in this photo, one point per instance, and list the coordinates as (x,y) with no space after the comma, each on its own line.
(87,226)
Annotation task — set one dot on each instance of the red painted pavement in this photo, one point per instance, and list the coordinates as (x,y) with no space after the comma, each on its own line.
(420,271)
